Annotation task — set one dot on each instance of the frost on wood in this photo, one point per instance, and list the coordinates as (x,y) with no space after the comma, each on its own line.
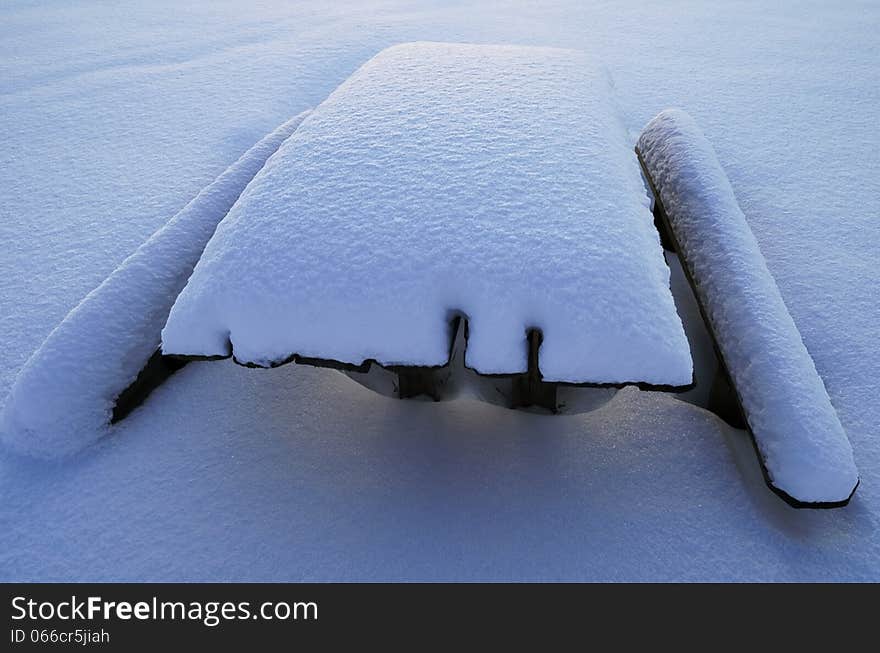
(492,181)
(63,398)
(805,451)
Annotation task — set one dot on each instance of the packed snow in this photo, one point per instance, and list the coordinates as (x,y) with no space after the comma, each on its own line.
(115,117)
(803,445)
(63,398)
(440,179)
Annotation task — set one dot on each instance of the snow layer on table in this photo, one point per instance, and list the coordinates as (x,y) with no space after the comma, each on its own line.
(798,433)
(497,181)
(64,396)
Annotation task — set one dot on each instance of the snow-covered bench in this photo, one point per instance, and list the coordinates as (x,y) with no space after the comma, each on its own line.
(804,452)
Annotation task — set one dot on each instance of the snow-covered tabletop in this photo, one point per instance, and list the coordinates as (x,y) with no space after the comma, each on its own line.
(496,182)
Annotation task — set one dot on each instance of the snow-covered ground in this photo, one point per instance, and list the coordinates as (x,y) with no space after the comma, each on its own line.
(114,117)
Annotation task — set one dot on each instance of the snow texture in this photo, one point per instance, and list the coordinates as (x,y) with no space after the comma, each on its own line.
(115,117)
(63,398)
(804,447)
(495,181)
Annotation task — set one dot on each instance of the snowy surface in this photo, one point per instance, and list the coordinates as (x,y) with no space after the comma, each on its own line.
(496,182)
(64,396)
(115,118)
(802,442)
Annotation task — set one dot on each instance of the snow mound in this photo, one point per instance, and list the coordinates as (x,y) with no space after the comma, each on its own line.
(63,398)
(804,448)
(496,182)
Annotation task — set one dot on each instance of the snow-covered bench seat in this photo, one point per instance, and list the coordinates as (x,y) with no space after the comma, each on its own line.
(90,370)
(441,180)
(805,454)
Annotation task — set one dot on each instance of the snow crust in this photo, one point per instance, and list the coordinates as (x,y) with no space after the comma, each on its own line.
(798,433)
(495,181)
(63,397)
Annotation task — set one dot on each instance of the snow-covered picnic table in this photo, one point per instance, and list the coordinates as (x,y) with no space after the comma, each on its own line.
(117,118)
